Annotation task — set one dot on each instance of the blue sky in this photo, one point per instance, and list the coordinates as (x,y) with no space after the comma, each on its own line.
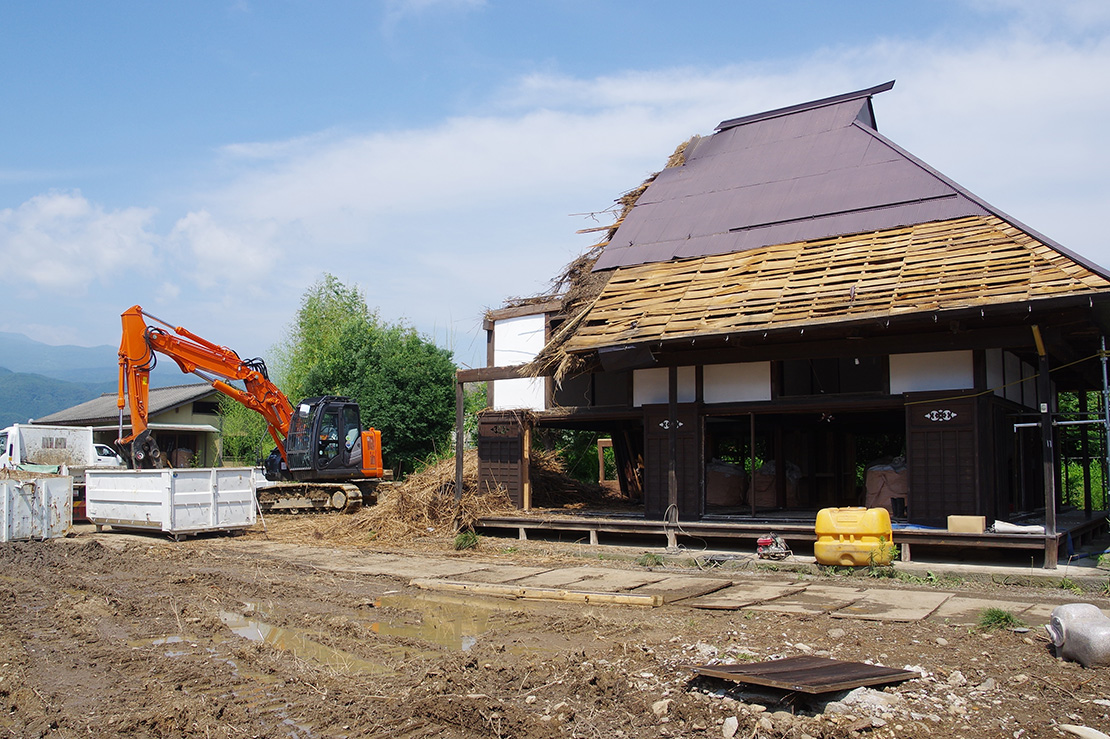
(211,160)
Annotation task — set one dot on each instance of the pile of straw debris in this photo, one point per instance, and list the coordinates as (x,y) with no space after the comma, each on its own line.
(424,505)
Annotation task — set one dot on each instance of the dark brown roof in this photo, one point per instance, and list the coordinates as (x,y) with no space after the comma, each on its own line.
(810,171)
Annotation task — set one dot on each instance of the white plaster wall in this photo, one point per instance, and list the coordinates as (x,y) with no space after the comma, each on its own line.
(650,385)
(910,373)
(517,341)
(733,383)
(525,392)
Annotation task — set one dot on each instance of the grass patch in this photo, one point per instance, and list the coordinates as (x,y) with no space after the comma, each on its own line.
(992,619)
(1071,586)
(649,559)
(466,540)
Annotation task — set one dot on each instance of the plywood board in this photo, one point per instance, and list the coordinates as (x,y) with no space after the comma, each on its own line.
(563,576)
(961,609)
(504,573)
(814,599)
(509,590)
(741,596)
(893,605)
(681,587)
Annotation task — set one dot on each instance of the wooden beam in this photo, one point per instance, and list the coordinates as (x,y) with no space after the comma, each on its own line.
(488,374)
(547,306)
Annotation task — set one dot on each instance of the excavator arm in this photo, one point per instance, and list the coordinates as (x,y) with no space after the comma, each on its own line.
(217,365)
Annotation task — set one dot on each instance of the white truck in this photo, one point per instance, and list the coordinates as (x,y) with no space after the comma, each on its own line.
(65,450)
(23,445)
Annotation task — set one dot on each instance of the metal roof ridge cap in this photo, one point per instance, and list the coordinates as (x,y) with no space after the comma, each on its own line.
(961,190)
(800,107)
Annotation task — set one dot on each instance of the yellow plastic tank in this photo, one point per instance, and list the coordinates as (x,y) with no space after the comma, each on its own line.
(853,537)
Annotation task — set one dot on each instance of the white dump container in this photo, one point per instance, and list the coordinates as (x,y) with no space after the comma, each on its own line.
(176,501)
(38,508)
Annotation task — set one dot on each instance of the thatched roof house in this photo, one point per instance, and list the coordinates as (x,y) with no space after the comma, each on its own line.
(795,301)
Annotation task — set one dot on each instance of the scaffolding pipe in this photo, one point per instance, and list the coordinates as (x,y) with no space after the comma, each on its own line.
(1105,418)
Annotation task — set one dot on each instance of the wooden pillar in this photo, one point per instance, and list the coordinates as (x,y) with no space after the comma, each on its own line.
(751,455)
(671,515)
(460,398)
(1044,389)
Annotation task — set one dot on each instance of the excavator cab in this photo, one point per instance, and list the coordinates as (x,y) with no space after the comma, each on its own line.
(326,441)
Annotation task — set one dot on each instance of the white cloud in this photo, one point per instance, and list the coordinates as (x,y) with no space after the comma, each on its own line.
(440,222)
(215,254)
(62,241)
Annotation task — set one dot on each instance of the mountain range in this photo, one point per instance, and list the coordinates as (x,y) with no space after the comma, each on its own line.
(38,379)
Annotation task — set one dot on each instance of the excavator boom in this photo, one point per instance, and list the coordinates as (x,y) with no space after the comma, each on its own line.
(216,364)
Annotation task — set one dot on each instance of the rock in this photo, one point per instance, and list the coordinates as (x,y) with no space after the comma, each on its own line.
(988,685)
(757,708)
(957,679)
(766,724)
(804,648)
(661,708)
(530,699)
(1085,732)
(942,641)
(706,651)
(836,633)
(1019,679)
(730,727)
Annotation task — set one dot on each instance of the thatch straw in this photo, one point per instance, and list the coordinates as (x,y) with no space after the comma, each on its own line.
(583,286)
(424,506)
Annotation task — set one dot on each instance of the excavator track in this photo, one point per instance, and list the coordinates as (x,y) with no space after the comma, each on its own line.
(298,497)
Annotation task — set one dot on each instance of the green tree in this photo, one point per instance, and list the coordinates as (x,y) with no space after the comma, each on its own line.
(243,432)
(404,384)
(327,307)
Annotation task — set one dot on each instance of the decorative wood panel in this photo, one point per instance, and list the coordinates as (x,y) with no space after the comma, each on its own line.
(502,454)
(942,456)
(657,453)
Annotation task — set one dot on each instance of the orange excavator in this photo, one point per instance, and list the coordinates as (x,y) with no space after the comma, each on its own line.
(323,458)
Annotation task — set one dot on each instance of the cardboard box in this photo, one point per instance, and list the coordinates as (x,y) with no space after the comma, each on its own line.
(967,524)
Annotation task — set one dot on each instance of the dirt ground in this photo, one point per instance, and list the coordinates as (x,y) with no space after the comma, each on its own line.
(139,636)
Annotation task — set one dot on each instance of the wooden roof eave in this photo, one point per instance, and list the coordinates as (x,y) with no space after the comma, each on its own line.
(1024,313)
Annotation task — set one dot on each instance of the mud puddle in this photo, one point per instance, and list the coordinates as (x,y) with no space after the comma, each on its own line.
(296,643)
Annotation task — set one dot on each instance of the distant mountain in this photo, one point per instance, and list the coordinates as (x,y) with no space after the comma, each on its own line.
(37,379)
(80,364)
(24,396)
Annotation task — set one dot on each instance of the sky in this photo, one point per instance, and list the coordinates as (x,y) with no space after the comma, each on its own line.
(211,160)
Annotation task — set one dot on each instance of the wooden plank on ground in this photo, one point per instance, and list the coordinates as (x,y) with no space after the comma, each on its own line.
(814,599)
(563,576)
(808,674)
(742,595)
(681,587)
(504,573)
(960,609)
(893,605)
(504,590)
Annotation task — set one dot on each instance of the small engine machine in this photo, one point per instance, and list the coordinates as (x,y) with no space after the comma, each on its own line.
(772,546)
